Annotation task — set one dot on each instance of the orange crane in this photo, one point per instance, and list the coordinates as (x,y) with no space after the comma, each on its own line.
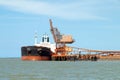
(60,40)
(61,48)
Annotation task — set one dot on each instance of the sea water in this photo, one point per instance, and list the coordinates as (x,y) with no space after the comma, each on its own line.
(16,69)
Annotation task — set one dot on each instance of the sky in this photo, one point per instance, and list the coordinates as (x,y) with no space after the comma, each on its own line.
(94,24)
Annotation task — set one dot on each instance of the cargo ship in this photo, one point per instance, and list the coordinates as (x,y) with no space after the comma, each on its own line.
(39,51)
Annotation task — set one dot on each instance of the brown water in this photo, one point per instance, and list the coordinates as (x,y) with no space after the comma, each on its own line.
(15,69)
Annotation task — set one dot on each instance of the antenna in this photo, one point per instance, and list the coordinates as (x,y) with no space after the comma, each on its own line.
(36,37)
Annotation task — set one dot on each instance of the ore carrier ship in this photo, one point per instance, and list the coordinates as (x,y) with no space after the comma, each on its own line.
(38,52)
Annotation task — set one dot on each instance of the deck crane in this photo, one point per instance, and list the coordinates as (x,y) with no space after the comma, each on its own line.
(60,40)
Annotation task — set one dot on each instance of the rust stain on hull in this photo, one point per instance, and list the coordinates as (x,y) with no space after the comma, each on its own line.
(35,58)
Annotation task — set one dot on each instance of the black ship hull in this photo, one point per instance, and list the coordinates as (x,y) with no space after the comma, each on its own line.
(36,53)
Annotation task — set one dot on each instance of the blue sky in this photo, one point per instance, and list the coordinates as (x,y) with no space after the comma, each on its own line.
(94,24)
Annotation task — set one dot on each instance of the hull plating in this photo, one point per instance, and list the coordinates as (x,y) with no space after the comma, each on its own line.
(35,53)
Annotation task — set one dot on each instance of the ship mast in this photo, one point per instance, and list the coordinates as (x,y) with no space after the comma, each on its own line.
(36,38)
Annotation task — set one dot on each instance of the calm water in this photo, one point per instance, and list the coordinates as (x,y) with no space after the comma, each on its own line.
(15,69)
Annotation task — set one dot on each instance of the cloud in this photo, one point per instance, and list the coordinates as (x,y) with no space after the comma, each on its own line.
(88,10)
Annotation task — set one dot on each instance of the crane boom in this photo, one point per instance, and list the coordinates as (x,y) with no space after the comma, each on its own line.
(52,30)
(56,34)
(58,38)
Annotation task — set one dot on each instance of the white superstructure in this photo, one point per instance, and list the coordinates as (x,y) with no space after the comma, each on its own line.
(45,42)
